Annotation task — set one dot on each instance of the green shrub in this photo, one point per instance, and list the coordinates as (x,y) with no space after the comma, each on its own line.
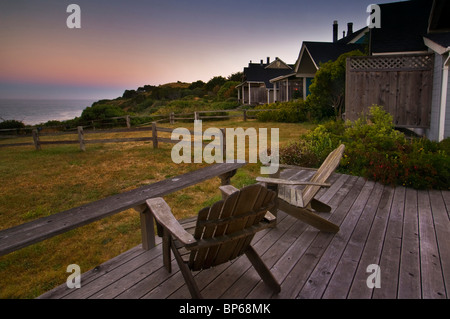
(300,154)
(375,150)
(229,104)
(284,112)
(11,124)
(328,88)
(101,112)
(227,90)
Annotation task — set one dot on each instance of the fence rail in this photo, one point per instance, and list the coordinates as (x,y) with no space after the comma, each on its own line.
(82,141)
(21,236)
(81,131)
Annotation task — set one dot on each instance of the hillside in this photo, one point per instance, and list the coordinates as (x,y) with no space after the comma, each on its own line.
(177,97)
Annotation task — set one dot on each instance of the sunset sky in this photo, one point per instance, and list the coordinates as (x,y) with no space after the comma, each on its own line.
(126,44)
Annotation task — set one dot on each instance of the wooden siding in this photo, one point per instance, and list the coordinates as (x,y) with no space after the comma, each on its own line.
(402,84)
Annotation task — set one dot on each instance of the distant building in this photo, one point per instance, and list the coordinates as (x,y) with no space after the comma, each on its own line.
(256,87)
(408,30)
(279,82)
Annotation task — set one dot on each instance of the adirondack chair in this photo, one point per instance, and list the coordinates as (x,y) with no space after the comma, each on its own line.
(301,203)
(222,233)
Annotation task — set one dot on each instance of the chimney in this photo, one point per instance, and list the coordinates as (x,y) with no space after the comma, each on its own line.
(335,31)
(349,28)
(268,60)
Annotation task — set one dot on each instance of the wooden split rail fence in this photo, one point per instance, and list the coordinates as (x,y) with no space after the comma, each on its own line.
(82,141)
(245,114)
(172,118)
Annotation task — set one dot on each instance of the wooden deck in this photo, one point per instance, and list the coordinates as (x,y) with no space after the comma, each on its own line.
(403,231)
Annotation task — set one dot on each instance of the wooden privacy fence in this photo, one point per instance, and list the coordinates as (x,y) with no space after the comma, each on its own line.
(402,84)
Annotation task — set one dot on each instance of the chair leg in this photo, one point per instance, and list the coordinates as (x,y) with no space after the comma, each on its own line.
(308,217)
(319,206)
(187,275)
(262,269)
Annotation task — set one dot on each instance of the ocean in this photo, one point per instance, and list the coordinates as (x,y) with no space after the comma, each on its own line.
(33,112)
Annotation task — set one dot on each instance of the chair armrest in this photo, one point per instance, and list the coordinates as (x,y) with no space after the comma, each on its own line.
(270,218)
(227,190)
(163,214)
(288,182)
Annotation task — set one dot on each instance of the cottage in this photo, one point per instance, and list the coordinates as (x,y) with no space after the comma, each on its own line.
(256,87)
(407,71)
(312,55)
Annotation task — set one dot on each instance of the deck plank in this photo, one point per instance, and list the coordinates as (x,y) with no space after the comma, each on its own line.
(432,279)
(390,256)
(93,274)
(442,228)
(111,277)
(307,259)
(409,282)
(405,231)
(318,280)
(345,270)
(372,250)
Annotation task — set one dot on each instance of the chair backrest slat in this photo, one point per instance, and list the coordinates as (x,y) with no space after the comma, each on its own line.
(196,258)
(323,173)
(218,221)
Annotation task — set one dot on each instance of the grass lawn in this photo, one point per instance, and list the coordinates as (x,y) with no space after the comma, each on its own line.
(59,177)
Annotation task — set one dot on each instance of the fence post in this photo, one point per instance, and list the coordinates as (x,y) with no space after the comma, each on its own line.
(195,116)
(245,115)
(172,118)
(127,118)
(147,227)
(81,138)
(37,142)
(154,135)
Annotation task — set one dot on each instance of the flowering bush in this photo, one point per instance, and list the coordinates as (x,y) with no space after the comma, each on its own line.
(375,150)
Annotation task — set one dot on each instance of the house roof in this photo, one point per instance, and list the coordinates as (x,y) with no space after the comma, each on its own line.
(322,52)
(354,37)
(443,39)
(312,54)
(440,17)
(403,26)
(263,72)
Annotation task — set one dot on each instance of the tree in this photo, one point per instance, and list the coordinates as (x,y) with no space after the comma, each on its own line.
(128,94)
(327,96)
(197,84)
(227,90)
(215,82)
(101,112)
(236,77)
(11,124)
